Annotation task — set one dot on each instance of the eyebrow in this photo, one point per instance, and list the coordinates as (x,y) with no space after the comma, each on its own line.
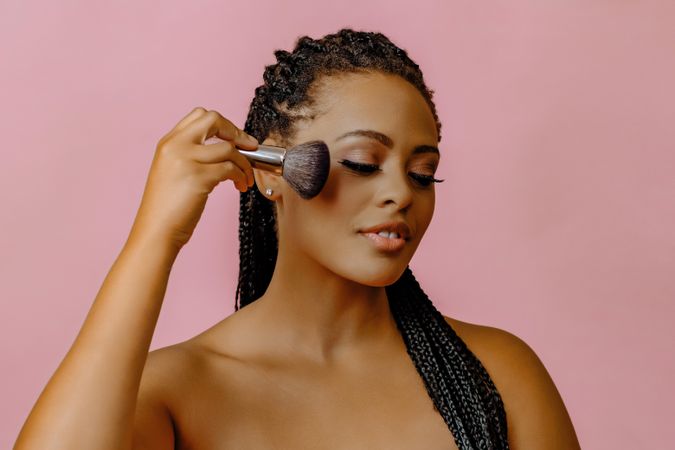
(387,141)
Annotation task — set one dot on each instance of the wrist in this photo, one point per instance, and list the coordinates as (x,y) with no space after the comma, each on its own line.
(157,242)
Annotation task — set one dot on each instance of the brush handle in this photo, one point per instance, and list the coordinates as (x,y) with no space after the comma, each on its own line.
(265,157)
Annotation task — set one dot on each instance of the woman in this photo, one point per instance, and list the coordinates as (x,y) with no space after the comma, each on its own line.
(333,344)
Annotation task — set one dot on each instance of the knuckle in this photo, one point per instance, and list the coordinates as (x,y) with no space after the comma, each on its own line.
(197,173)
(229,147)
(166,145)
(233,171)
(248,169)
(230,167)
(166,139)
(162,142)
(163,146)
(234,156)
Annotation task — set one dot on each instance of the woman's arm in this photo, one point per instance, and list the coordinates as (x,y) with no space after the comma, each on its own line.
(89,402)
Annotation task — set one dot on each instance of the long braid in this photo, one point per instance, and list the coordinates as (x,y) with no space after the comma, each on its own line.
(257,219)
(458,384)
(477,418)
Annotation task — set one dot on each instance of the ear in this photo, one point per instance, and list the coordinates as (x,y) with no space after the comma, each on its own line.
(267,180)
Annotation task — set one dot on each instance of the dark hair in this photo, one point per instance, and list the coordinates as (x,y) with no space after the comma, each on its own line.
(458,384)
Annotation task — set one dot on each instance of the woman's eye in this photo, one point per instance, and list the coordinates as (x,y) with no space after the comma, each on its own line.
(423,180)
(359,167)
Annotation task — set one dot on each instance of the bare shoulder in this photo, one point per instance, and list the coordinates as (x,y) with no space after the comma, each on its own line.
(536,414)
(170,370)
(165,371)
(167,366)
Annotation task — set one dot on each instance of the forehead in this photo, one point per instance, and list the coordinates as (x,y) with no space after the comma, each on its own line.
(383,102)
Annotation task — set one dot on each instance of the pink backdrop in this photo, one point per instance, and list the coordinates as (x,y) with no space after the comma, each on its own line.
(555,222)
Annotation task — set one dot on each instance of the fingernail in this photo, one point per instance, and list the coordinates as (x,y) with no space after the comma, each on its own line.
(252,139)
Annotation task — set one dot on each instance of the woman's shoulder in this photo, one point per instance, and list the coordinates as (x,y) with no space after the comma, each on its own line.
(498,344)
(508,358)
(482,332)
(535,410)
(168,369)
(165,372)
(179,363)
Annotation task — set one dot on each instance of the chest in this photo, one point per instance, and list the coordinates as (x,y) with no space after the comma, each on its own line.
(239,406)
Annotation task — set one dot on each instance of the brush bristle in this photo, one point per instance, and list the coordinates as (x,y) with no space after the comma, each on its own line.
(306,168)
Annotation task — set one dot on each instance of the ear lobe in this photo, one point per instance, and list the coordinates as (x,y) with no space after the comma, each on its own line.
(266,180)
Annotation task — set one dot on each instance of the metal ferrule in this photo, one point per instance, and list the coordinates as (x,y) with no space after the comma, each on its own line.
(266,157)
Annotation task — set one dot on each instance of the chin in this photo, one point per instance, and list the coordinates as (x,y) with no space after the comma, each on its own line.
(373,276)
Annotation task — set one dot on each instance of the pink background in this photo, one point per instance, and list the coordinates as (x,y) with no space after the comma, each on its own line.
(555,222)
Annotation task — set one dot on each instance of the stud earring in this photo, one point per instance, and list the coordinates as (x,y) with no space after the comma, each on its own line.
(268,191)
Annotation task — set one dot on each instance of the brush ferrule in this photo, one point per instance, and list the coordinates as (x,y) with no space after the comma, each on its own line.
(266,157)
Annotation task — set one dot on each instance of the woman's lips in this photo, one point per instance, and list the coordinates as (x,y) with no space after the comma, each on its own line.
(384,243)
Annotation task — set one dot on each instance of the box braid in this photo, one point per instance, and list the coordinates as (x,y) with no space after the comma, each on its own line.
(458,384)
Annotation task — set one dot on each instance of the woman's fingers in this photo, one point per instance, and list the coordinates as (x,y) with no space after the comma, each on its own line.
(211,123)
(184,172)
(192,115)
(224,151)
(222,171)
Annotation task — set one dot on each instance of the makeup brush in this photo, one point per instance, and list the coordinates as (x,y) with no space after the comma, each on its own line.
(305,166)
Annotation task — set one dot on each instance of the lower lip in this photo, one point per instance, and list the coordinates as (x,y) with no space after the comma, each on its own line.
(384,243)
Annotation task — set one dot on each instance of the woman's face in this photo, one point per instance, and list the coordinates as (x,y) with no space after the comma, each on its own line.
(373,119)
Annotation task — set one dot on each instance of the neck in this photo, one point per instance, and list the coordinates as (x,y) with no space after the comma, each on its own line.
(313,313)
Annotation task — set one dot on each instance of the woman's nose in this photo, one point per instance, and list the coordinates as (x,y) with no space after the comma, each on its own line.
(396,188)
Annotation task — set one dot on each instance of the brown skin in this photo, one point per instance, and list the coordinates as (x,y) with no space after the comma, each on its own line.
(317,361)
(89,401)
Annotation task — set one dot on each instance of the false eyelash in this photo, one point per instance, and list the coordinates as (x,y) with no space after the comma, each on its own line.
(361,167)
(424,180)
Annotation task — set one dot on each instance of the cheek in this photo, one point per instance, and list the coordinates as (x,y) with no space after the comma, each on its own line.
(322,222)
(427,205)
(326,225)
(420,215)
(340,202)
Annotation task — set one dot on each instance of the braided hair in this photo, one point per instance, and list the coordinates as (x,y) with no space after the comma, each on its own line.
(458,384)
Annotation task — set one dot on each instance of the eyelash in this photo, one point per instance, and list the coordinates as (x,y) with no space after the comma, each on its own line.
(423,180)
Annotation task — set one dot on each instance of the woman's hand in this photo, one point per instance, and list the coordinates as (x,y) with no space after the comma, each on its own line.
(184,171)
